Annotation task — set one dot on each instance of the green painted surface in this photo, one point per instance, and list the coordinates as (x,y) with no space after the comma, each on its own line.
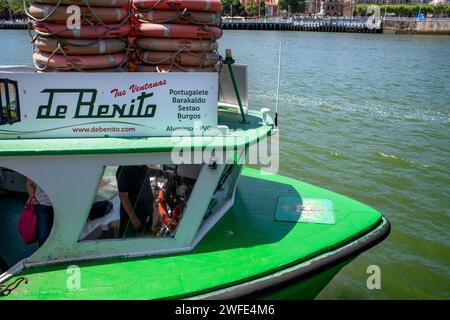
(245,135)
(307,289)
(247,243)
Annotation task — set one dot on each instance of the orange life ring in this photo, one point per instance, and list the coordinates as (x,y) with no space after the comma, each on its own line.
(178,31)
(166,68)
(169,220)
(161,44)
(85,32)
(93,14)
(90,70)
(59,61)
(171,16)
(196,5)
(81,46)
(92,3)
(199,59)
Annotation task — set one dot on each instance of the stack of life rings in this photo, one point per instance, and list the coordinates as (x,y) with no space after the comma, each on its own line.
(98,43)
(176,35)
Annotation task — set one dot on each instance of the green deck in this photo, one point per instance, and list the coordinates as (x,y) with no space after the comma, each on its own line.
(247,243)
(246,134)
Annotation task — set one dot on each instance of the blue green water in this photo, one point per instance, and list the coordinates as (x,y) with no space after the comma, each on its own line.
(367,116)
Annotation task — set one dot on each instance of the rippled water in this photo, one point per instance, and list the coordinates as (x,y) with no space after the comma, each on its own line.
(367,116)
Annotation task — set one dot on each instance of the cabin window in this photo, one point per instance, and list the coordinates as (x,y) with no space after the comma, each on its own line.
(3,104)
(145,201)
(224,191)
(9,101)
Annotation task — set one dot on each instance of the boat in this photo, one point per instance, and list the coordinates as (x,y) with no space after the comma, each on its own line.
(234,231)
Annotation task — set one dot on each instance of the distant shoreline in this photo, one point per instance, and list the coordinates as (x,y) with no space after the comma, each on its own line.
(429,26)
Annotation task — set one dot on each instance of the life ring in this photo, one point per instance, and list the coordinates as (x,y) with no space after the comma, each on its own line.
(168,68)
(171,16)
(85,32)
(199,59)
(196,5)
(178,31)
(93,14)
(169,219)
(122,69)
(92,3)
(81,46)
(59,61)
(161,44)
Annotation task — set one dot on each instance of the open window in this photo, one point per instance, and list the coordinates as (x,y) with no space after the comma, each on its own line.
(15,192)
(9,102)
(140,201)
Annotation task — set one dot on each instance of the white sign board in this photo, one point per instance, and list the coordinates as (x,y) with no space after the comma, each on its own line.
(60,105)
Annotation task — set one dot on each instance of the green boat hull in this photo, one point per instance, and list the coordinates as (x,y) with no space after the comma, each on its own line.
(247,254)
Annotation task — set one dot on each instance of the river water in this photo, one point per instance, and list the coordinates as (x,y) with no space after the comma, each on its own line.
(367,116)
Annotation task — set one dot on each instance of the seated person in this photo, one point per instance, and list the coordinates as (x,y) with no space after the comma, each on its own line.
(136,199)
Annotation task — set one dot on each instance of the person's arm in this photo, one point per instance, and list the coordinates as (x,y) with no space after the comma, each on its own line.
(31,189)
(129,210)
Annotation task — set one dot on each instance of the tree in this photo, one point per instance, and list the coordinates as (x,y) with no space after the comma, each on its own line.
(252,6)
(15,6)
(294,6)
(232,7)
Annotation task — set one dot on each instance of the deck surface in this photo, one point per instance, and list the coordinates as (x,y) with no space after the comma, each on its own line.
(247,243)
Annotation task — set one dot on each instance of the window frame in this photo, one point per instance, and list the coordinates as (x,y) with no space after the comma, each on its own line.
(5,83)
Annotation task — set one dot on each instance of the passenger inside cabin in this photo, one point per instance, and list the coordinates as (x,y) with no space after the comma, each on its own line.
(43,208)
(136,200)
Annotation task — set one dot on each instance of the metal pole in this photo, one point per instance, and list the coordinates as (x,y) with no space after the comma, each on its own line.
(278,83)
(385,9)
(259,9)
(351,9)
(230,61)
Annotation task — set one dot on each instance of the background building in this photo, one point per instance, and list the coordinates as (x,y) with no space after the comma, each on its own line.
(332,7)
(272,9)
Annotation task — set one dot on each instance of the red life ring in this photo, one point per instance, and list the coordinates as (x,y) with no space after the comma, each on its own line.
(171,16)
(85,32)
(169,220)
(81,46)
(93,14)
(198,59)
(167,68)
(92,3)
(162,44)
(196,5)
(178,31)
(59,61)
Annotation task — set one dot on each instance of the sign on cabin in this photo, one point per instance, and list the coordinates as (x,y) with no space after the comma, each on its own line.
(64,105)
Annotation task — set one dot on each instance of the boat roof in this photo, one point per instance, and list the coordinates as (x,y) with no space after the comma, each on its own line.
(239,135)
(248,243)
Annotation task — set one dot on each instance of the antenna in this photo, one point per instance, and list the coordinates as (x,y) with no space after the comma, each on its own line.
(278,84)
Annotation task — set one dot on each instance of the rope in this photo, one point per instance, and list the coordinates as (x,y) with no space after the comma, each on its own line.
(6,289)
